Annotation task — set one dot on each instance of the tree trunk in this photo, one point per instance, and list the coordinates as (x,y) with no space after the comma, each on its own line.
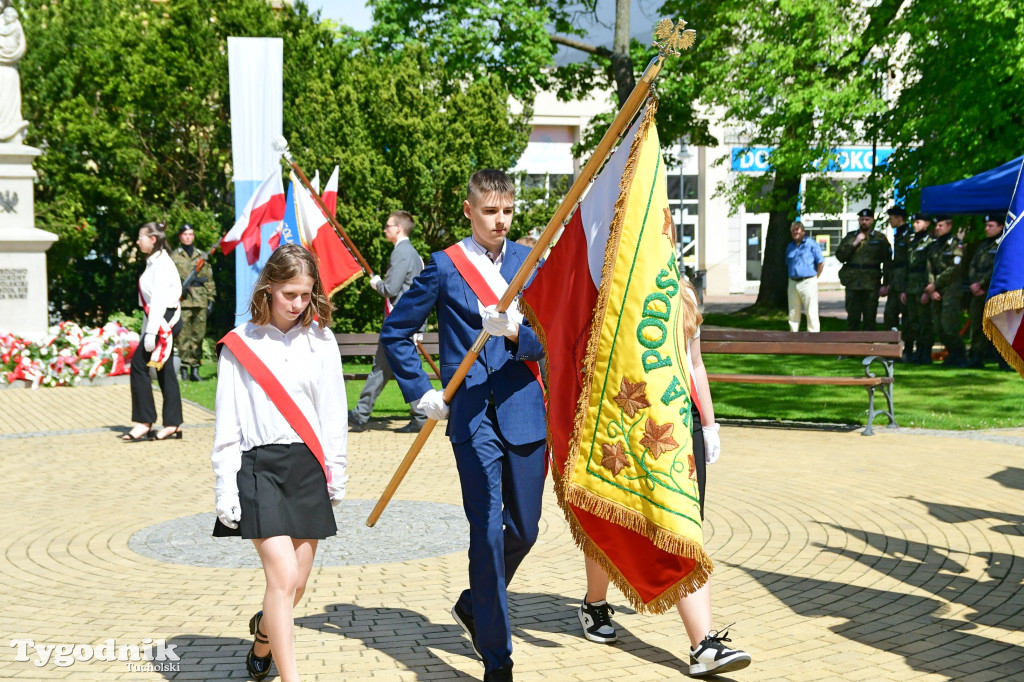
(774,278)
(622,64)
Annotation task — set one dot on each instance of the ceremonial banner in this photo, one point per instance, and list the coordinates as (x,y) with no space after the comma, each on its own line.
(337,266)
(607,305)
(1004,308)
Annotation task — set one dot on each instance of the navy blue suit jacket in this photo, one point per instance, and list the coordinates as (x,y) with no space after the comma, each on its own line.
(499,370)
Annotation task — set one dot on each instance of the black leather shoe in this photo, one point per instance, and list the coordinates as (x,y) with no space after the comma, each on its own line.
(503,674)
(184,373)
(194,375)
(258,666)
(465,620)
(411,427)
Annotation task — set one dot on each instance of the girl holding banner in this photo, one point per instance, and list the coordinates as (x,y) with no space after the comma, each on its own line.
(279,450)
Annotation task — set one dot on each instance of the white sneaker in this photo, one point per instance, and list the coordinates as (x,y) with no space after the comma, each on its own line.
(597,622)
(712,657)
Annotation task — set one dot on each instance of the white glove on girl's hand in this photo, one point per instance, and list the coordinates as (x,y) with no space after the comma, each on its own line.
(433,405)
(712,443)
(498,324)
(149,342)
(228,510)
(375,282)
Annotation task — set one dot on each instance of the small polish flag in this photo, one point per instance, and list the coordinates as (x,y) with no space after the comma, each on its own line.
(266,205)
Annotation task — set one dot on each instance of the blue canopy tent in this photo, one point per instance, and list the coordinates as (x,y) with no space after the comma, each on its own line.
(987,192)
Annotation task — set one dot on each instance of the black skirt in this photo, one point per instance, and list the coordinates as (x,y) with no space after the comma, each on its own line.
(282,490)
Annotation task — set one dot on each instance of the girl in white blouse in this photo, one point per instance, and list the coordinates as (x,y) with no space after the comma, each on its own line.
(159,295)
(280,376)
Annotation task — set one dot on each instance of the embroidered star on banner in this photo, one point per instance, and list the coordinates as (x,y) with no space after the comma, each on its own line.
(614,457)
(632,397)
(658,438)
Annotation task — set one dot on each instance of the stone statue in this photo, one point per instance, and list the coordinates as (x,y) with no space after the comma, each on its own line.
(12,49)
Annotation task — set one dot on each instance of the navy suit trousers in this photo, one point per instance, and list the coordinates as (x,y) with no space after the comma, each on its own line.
(502,486)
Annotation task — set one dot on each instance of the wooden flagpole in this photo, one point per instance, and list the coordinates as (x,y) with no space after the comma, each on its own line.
(674,38)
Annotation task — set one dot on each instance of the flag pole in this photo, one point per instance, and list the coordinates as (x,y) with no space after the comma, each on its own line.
(281,145)
(675,39)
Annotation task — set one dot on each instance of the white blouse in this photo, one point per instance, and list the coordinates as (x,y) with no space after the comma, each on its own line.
(161,289)
(307,363)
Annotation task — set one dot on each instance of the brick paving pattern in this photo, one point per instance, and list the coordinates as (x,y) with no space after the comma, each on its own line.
(839,557)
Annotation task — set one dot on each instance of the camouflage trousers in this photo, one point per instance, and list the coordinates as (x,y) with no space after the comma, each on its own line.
(895,311)
(190,342)
(981,346)
(861,309)
(918,324)
(946,319)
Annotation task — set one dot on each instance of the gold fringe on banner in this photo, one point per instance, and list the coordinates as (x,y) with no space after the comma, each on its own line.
(997,305)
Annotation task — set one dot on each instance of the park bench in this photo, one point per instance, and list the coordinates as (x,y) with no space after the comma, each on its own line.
(883,347)
(356,345)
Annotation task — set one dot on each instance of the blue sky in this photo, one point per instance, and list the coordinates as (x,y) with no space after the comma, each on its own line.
(353,13)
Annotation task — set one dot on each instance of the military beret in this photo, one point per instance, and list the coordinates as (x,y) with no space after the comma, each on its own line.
(921,216)
(897,211)
(185,227)
(995,217)
(865,213)
(941,218)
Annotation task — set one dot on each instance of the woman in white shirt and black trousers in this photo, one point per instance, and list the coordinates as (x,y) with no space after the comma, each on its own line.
(159,296)
(279,446)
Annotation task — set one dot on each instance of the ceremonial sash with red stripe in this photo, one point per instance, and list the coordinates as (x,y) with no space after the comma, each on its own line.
(162,351)
(484,292)
(277,394)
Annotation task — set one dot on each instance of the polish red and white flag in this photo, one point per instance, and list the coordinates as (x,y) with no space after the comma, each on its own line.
(266,205)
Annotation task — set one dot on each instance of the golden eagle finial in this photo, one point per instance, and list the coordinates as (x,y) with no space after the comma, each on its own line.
(671,38)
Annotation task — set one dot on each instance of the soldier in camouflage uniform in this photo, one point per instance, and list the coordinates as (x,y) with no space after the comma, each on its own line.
(918,326)
(195,301)
(864,254)
(895,308)
(945,286)
(979,274)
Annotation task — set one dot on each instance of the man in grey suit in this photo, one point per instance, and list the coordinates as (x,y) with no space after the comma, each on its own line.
(404,265)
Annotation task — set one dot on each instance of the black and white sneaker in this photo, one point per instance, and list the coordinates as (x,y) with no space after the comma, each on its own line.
(712,657)
(465,620)
(597,621)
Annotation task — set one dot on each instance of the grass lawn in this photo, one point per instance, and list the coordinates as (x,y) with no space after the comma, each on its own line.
(932,397)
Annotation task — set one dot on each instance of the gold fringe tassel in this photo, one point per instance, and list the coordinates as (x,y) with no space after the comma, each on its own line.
(1007,301)
(345,283)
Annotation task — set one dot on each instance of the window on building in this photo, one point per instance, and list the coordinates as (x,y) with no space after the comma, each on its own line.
(690,187)
(674,183)
(827,233)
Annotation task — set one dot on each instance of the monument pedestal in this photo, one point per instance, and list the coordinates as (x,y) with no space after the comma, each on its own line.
(24,303)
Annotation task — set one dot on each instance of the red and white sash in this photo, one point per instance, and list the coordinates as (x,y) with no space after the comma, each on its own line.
(485,279)
(164,336)
(277,393)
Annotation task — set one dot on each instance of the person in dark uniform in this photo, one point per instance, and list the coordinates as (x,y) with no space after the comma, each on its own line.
(895,308)
(196,300)
(918,327)
(865,255)
(945,281)
(979,275)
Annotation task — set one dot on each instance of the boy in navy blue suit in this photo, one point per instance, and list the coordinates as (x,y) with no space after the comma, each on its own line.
(497,424)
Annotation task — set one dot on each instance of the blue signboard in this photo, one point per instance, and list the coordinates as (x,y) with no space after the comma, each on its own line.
(847,159)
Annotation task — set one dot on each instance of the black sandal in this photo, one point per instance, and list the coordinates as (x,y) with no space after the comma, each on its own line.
(258,667)
(129,438)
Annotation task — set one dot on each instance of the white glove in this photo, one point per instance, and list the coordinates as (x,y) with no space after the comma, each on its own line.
(433,405)
(497,324)
(712,443)
(336,490)
(375,282)
(228,509)
(149,342)
(417,338)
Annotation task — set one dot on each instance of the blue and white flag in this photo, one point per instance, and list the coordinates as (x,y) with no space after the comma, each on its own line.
(1004,308)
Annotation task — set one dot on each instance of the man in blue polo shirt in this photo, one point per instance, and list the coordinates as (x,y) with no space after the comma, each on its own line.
(804,264)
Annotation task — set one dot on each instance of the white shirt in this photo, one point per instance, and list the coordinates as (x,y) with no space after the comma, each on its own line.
(307,363)
(161,289)
(475,247)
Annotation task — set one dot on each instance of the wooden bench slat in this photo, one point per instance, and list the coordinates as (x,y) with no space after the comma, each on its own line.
(709,346)
(797,380)
(728,334)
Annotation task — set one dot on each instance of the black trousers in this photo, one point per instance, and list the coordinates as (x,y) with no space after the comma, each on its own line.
(143,406)
(698,456)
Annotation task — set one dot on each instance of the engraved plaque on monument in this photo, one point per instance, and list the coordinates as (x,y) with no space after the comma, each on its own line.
(23,291)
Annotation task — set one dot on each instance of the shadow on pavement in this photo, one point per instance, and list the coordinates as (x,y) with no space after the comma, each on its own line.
(205,658)
(1010,477)
(951,513)
(897,623)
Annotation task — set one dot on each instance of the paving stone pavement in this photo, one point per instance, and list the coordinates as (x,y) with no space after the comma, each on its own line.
(838,557)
